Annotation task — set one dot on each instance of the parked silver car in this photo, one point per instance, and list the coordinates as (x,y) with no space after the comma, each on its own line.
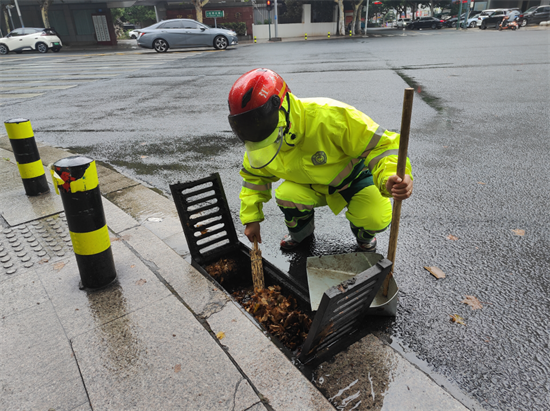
(180,33)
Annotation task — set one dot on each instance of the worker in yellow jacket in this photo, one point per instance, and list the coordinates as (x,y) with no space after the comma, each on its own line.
(327,153)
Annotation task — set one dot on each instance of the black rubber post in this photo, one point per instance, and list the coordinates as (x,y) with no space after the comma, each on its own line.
(75,179)
(26,154)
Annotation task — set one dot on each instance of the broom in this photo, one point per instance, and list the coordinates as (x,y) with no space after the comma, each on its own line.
(257,267)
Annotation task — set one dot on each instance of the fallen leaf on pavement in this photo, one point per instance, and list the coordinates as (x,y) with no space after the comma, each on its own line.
(472,302)
(141,282)
(457,319)
(144,156)
(59,266)
(452,237)
(220,335)
(124,237)
(436,272)
(519,232)
(479,182)
(177,368)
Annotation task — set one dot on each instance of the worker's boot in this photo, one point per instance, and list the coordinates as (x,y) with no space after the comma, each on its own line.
(368,245)
(287,243)
(305,231)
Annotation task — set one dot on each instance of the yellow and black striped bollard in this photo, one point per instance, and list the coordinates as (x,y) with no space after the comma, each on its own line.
(329,34)
(350,33)
(75,179)
(254,39)
(306,36)
(26,154)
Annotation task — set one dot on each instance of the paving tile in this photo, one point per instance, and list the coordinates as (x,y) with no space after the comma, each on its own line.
(159,358)
(201,295)
(39,371)
(273,375)
(80,311)
(20,292)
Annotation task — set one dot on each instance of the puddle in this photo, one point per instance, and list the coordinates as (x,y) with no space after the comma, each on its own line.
(431,100)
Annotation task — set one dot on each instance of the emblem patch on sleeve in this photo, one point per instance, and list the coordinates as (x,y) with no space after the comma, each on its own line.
(319,158)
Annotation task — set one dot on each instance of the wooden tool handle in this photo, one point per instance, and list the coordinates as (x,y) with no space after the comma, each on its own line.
(401,167)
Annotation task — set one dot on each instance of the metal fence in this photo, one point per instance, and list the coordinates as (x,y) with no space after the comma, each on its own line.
(261,14)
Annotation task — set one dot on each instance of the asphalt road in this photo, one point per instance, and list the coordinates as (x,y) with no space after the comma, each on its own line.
(479,147)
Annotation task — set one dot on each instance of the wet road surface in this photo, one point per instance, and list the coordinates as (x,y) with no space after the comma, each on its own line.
(479,142)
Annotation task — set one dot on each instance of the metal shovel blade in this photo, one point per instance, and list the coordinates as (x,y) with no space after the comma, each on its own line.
(385,306)
(331,270)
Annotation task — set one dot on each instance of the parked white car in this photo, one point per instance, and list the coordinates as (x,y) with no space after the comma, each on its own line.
(402,23)
(30,38)
(133,34)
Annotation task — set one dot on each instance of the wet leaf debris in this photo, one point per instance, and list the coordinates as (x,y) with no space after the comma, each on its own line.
(221,269)
(278,314)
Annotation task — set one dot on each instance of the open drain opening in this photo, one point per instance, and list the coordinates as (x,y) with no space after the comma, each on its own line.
(283,309)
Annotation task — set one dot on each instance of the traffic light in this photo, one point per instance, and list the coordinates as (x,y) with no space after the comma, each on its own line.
(269,5)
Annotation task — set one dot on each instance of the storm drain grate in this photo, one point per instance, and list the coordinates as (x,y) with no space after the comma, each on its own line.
(210,233)
(204,214)
(39,241)
(342,313)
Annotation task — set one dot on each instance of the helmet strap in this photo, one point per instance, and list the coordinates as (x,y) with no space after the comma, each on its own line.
(287,115)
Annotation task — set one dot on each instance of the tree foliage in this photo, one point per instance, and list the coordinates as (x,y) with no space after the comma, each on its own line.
(137,15)
(292,11)
(322,11)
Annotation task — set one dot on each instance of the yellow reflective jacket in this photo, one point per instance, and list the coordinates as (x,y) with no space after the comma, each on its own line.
(328,145)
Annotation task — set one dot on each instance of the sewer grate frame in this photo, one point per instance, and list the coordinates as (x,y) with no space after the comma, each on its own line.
(341,316)
(34,242)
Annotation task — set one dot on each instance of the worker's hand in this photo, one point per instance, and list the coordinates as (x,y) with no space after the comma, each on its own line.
(399,189)
(253,230)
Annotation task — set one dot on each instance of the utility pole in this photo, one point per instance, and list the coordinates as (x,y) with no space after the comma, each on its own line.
(459,15)
(276,22)
(19,13)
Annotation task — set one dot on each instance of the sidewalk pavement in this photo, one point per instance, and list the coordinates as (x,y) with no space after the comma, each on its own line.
(162,337)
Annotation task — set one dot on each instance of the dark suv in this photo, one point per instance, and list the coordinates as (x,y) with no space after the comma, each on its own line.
(541,13)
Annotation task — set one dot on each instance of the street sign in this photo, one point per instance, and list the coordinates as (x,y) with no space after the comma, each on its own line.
(213,13)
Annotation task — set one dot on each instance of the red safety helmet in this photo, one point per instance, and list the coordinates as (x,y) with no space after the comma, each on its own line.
(254,103)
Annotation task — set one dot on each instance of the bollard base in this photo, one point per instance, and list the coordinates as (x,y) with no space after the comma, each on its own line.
(36,186)
(88,289)
(275,39)
(96,271)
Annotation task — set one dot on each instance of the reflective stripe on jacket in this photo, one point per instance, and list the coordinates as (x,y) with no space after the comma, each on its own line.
(328,145)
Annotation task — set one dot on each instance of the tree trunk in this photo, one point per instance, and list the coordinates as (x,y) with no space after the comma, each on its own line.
(356,23)
(5,12)
(341,18)
(198,8)
(431,8)
(44,7)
